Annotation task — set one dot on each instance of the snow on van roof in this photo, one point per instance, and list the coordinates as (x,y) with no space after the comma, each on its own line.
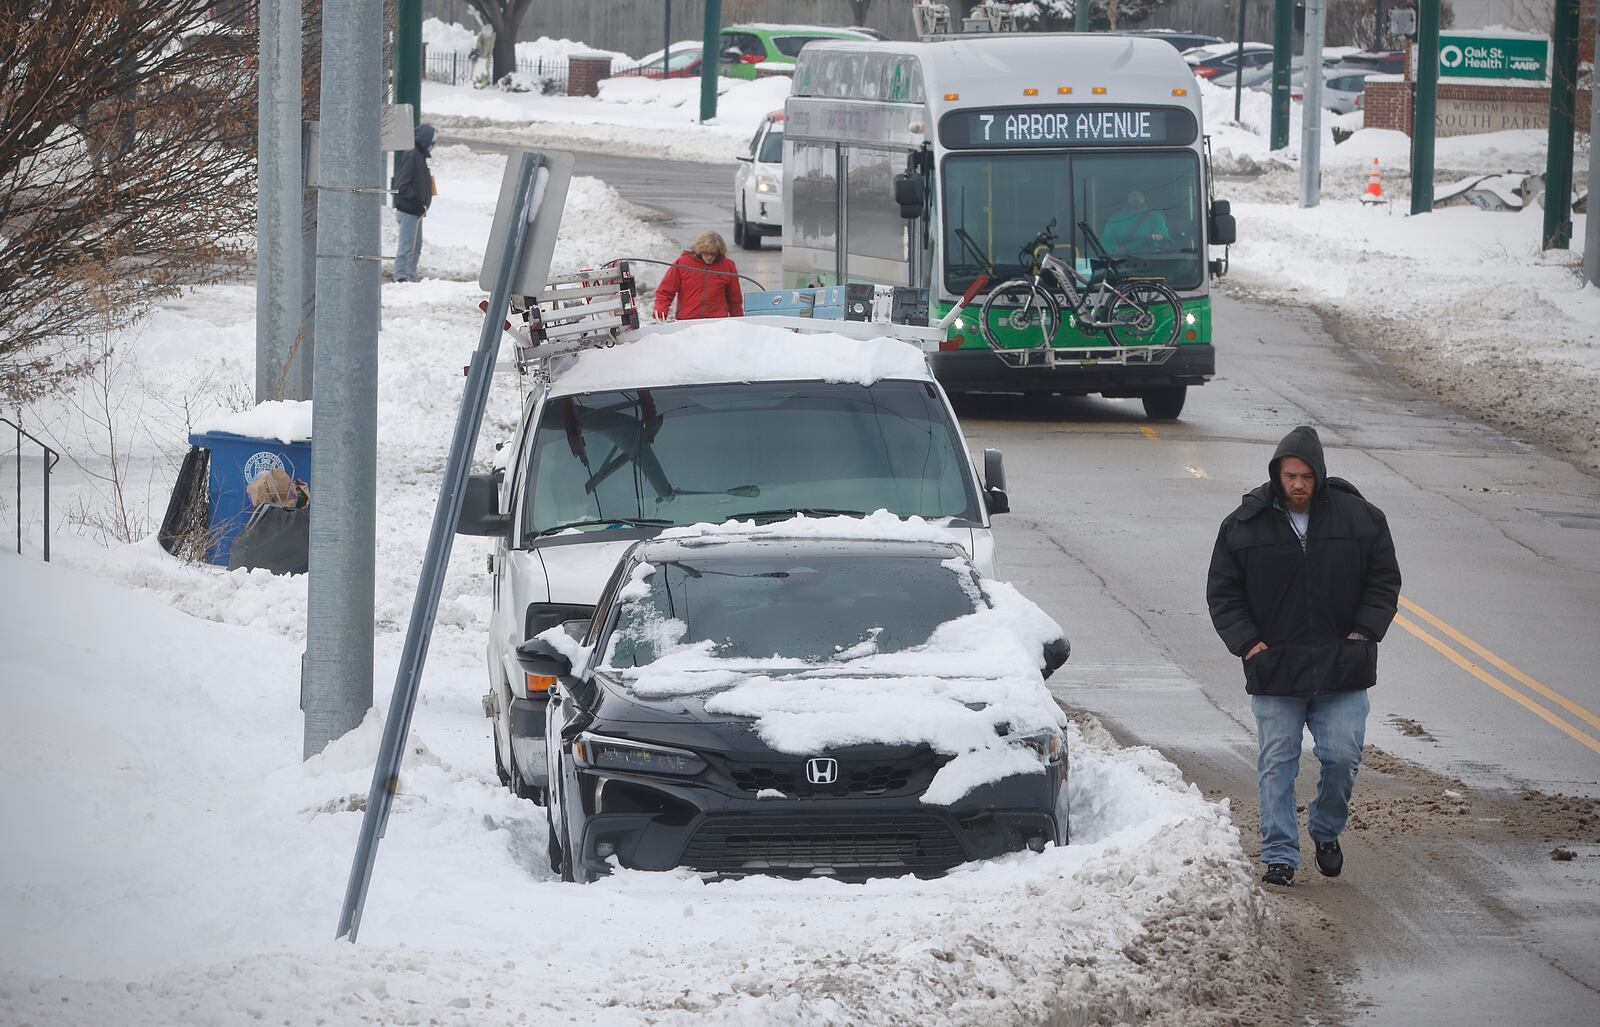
(732,350)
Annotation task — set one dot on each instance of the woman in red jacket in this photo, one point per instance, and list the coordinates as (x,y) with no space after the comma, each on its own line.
(704,280)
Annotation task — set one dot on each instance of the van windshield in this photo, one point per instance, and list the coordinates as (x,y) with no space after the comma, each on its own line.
(693,453)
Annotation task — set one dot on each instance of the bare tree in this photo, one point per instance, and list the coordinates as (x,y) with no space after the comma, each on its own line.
(127,150)
(1054,15)
(505,17)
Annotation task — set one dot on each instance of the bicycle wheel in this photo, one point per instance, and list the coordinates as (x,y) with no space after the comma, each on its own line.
(1016,312)
(1145,314)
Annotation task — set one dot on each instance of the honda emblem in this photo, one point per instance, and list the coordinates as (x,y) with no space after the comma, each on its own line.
(822,770)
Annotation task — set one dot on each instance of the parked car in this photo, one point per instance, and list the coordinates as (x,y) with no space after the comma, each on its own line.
(1224,58)
(1182,40)
(758,185)
(773,48)
(690,422)
(1342,90)
(683,62)
(785,702)
(1375,62)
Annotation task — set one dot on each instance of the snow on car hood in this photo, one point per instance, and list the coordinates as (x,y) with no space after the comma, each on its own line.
(975,676)
(731,350)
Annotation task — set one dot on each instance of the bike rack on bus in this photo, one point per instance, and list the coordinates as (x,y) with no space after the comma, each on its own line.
(51,457)
(1084,356)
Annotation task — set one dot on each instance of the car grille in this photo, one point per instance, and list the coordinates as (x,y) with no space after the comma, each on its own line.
(864,777)
(879,842)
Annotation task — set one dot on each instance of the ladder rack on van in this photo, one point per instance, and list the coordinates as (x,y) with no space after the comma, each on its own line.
(576,312)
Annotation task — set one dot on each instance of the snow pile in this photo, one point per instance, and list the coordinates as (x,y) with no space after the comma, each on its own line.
(284,420)
(162,820)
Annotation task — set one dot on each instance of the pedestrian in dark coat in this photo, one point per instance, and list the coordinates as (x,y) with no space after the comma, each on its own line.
(704,280)
(413,195)
(1303,586)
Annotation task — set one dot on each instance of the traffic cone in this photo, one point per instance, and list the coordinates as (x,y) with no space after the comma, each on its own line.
(1374,193)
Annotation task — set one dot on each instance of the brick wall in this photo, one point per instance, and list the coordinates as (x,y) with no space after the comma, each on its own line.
(584,72)
(1388,104)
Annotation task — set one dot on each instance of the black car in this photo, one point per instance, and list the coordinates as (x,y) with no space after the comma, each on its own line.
(792,706)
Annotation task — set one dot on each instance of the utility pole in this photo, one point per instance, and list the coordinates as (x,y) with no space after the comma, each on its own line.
(336,676)
(1591,231)
(710,60)
(408,57)
(1311,106)
(1282,47)
(1424,104)
(278,205)
(1563,111)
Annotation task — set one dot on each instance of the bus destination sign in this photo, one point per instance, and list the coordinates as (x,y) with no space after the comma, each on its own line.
(980,128)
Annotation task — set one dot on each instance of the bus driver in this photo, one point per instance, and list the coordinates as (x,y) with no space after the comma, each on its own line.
(1133,225)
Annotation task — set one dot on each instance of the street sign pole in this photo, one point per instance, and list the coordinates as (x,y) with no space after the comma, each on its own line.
(446,515)
(1282,27)
(1423,106)
(1591,232)
(1563,103)
(1238,76)
(1311,107)
(710,60)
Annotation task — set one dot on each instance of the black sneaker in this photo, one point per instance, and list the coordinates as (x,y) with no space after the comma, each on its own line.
(1330,860)
(1280,874)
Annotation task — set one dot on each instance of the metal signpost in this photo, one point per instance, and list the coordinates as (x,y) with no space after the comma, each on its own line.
(1423,107)
(1282,45)
(1563,116)
(519,221)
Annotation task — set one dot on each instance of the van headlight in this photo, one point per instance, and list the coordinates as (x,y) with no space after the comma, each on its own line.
(1048,745)
(598,752)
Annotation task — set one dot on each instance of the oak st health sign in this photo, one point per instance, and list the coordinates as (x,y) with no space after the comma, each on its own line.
(1503,57)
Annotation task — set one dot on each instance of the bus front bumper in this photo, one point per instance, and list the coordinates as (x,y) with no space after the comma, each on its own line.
(982,370)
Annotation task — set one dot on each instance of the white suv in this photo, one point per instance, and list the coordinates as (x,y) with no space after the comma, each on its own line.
(758,185)
(696,422)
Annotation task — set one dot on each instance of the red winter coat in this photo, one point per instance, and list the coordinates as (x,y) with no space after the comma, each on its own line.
(700,292)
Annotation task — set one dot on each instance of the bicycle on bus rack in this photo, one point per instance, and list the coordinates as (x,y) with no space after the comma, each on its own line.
(1132,310)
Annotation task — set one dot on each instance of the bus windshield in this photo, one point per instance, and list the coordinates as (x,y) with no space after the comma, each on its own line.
(1144,206)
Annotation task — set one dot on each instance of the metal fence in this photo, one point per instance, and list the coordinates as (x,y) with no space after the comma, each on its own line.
(454,68)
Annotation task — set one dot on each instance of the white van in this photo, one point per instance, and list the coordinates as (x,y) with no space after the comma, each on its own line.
(695,422)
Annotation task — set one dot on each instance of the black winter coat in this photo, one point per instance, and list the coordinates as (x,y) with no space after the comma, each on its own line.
(413,182)
(1303,602)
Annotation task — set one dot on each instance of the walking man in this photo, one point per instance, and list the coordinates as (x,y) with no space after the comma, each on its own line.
(1303,585)
(413,194)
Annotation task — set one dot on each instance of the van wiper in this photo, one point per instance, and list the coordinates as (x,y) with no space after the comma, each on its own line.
(631,522)
(784,513)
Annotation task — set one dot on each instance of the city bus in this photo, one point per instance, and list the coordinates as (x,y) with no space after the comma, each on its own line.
(933,164)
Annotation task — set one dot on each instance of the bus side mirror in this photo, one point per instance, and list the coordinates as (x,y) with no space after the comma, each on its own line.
(909,194)
(994,483)
(1224,232)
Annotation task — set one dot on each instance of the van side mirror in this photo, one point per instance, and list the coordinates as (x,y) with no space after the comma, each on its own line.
(1056,652)
(1223,231)
(910,194)
(994,483)
(480,507)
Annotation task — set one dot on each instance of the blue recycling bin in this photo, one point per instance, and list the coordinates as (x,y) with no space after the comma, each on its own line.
(235,462)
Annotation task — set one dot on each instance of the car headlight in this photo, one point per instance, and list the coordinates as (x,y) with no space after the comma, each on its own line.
(598,752)
(1048,745)
(767,184)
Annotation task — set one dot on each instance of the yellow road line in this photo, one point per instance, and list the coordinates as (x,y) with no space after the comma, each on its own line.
(1539,710)
(1149,432)
(1502,665)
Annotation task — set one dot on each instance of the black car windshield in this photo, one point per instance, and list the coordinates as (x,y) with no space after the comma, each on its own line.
(815,609)
(694,453)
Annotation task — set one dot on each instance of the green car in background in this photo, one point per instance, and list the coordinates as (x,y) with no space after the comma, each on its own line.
(754,50)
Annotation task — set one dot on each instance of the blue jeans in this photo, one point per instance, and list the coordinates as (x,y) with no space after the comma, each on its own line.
(409,247)
(1338,723)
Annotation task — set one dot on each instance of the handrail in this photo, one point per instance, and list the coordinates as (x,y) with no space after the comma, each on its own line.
(51,459)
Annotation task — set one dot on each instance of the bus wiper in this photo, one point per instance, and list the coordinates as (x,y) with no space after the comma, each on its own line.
(631,522)
(784,513)
(747,491)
